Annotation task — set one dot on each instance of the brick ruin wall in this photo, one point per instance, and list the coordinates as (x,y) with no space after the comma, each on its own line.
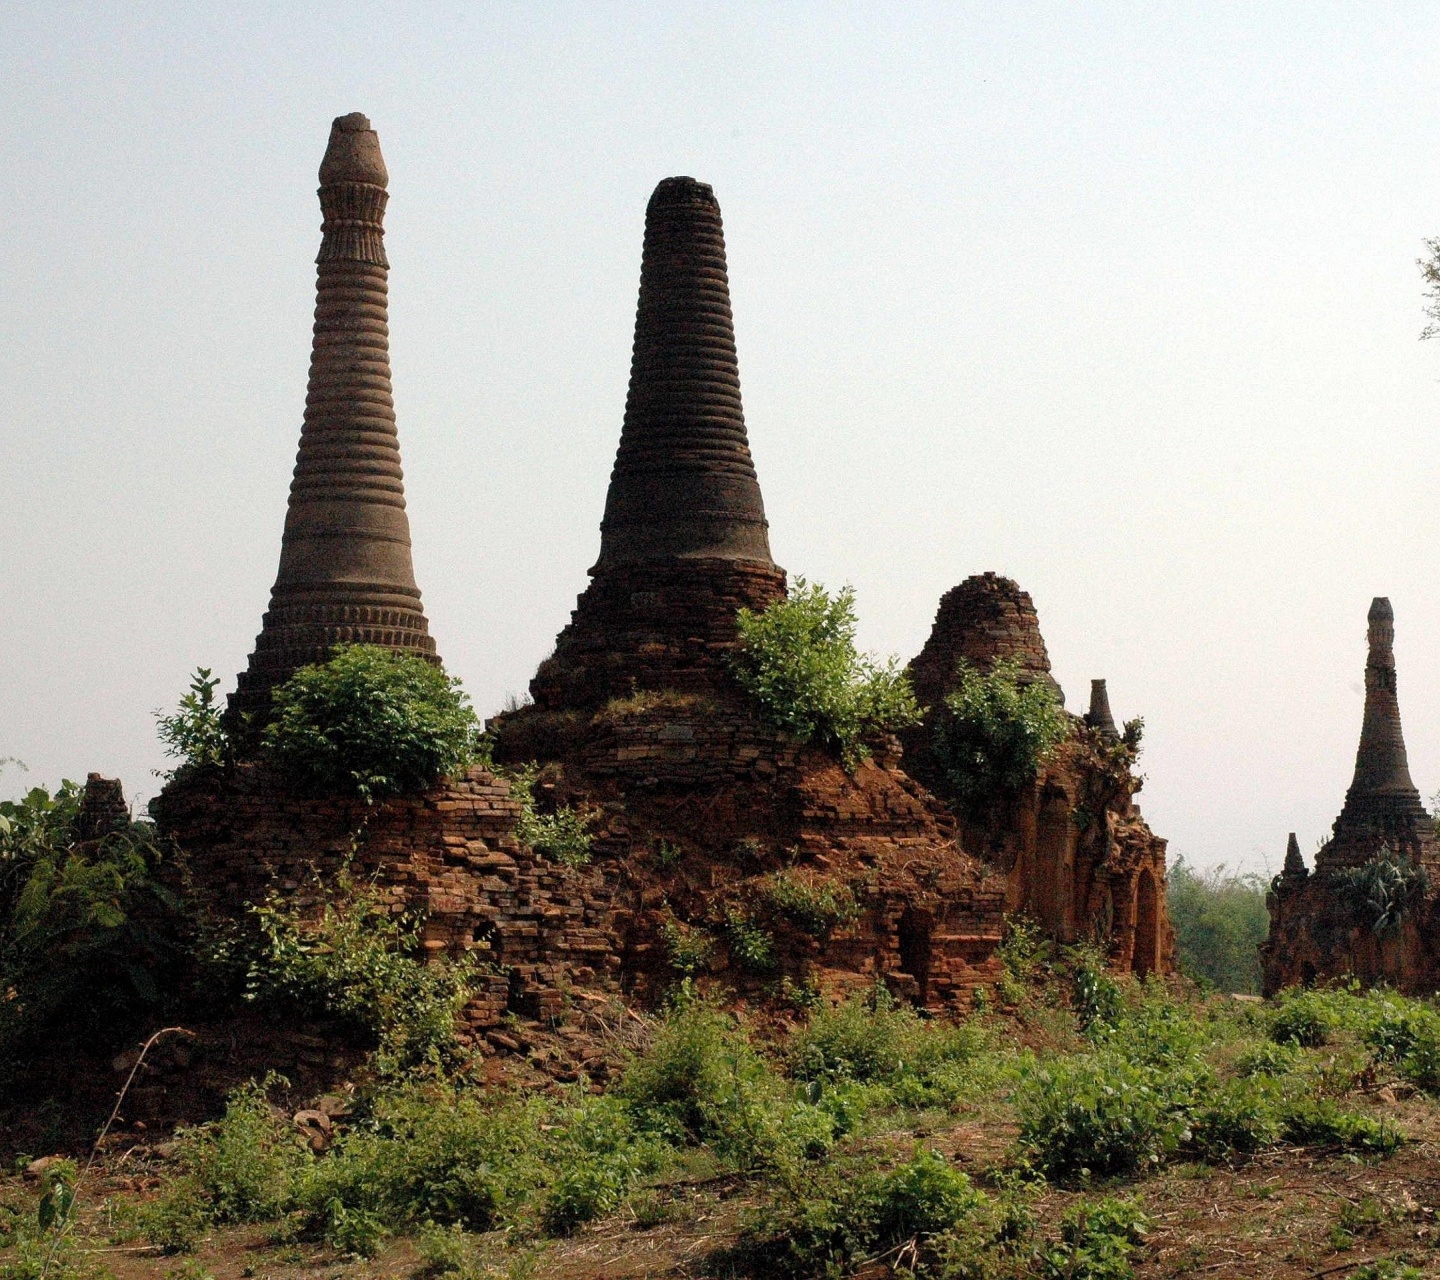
(1075,851)
(657,625)
(690,813)
(1324,929)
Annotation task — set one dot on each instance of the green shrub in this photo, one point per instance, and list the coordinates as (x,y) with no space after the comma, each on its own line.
(562,835)
(1096,1241)
(869,1039)
(428,1152)
(1304,1017)
(1421,1062)
(798,661)
(1268,1059)
(91,941)
(246,1165)
(702,1081)
(357,963)
(371,722)
(195,732)
(750,943)
(1094,993)
(843,1218)
(1220,921)
(1237,1118)
(1312,1121)
(813,905)
(1096,1113)
(689,948)
(1395,1026)
(993,733)
(873,1041)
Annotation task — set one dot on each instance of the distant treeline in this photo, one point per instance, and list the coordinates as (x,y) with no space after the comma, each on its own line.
(1220,920)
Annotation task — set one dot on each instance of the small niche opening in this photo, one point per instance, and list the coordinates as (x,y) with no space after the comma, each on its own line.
(914,940)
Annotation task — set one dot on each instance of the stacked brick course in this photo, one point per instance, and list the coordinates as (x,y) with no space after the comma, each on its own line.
(448,858)
(683,542)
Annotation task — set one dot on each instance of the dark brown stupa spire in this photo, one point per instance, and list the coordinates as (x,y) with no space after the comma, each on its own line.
(1099,717)
(684,543)
(1382,807)
(684,483)
(345,569)
(1295,868)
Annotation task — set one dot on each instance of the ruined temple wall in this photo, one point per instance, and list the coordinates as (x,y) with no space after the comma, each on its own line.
(1080,859)
(448,857)
(732,800)
(1076,854)
(1316,937)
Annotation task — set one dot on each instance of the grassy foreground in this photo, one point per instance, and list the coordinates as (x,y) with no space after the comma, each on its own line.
(1075,1128)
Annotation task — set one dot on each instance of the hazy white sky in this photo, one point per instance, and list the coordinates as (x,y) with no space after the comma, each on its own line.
(1117,299)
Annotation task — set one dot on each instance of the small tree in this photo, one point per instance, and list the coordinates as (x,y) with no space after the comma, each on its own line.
(799,662)
(1430,273)
(373,722)
(1220,919)
(195,733)
(994,732)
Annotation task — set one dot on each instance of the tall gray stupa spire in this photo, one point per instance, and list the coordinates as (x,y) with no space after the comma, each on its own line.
(345,574)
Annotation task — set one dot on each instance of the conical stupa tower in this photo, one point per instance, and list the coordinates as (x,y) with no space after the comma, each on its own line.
(346,575)
(1099,716)
(1382,807)
(684,542)
(1295,867)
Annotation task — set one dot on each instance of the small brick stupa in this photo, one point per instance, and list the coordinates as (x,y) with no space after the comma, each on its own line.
(704,815)
(1076,852)
(684,542)
(985,620)
(1322,925)
(345,575)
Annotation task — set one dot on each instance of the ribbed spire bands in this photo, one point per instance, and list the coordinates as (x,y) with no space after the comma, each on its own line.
(683,543)
(346,574)
(1382,806)
(684,483)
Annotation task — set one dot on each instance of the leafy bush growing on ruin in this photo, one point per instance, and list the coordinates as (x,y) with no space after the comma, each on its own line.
(798,661)
(994,732)
(562,835)
(1382,892)
(688,948)
(371,722)
(194,733)
(88,934)
(751,945)
(813,905)
(358,964)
